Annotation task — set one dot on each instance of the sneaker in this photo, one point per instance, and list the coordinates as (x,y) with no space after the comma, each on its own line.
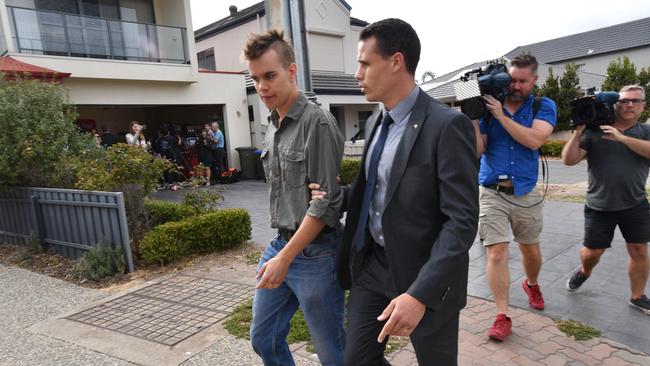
(535,298)
(642,303)
(576,280)
(501,328)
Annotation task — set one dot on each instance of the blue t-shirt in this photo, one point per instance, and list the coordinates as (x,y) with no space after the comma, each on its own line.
(219,137)
(505,157)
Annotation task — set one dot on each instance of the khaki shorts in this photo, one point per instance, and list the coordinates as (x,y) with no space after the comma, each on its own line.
(497,216)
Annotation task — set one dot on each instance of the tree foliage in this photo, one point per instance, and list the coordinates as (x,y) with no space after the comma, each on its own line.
(620,73)
(562,90)
(569,90)
(127,169)
(38,136)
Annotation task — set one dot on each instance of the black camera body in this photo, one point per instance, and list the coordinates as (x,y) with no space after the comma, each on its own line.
(594,111)
(492,80)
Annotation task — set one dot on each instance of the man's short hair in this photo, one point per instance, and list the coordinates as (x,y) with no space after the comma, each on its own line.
(259,43)
(628,88)
(525,60)
(395,35)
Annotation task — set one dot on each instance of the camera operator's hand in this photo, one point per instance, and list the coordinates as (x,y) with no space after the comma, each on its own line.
(494,106)
(579,129)
(612,134)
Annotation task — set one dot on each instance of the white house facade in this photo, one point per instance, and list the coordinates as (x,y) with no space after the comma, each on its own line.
(332,37)
(127,60)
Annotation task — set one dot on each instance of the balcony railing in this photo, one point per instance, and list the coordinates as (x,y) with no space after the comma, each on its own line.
(63,34)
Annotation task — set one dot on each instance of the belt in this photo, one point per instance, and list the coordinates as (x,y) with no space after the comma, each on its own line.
(286,234)
(498,188)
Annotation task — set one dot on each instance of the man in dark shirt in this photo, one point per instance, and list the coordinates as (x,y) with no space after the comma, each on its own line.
(302,144)
(107,139)
(618,157)
(412,209)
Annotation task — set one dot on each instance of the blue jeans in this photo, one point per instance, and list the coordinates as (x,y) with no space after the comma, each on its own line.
(311,283)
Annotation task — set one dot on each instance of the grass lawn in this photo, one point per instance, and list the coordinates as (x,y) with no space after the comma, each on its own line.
(239,324)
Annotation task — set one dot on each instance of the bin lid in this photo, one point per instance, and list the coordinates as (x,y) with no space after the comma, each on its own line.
(246,148)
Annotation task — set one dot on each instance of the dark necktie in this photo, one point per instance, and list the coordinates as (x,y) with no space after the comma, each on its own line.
(371,182)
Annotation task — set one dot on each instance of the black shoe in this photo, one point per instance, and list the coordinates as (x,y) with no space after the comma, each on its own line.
(642,303)
(576,280)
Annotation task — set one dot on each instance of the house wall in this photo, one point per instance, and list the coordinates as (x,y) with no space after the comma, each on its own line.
(326,17)
(228,46)
(260,119)
(168,12)
(326,52)
(350,43)
(3,40)
(93,68)
(175,13)
(352,105)
(598,64)
(332,41)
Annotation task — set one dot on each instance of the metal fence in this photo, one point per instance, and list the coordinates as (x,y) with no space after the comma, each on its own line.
(70,222)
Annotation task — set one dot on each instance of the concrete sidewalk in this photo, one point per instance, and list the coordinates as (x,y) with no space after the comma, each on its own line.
(30,298)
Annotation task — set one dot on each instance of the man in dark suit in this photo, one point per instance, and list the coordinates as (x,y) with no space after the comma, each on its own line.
(412,209)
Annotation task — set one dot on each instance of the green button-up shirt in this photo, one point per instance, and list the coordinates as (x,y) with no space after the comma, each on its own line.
(305,147)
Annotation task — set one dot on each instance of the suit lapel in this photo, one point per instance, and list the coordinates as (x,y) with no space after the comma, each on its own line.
(411,132)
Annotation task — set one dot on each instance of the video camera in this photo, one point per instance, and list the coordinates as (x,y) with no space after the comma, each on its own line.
(493,79)
(594,111)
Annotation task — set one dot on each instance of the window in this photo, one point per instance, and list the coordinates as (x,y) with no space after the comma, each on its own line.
(206,59)
(64,6)
(95,8)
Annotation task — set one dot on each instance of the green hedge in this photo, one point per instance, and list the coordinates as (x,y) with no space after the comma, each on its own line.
(553,148)
(349,168)
(161,212)
(208,232)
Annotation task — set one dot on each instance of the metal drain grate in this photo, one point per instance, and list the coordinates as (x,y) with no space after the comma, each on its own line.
(170,311)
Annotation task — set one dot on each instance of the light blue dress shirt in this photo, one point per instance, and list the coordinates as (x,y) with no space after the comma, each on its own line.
(400,114)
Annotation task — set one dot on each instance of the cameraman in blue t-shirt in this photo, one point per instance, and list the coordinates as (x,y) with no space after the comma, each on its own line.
(618,157)
(509,142)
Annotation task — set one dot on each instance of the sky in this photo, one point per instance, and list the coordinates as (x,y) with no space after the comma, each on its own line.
(457,33)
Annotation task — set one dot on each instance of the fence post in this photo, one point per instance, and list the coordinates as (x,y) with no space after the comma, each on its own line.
(124,227)
(38,220)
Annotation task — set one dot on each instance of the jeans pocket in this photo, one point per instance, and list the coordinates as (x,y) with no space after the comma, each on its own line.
(317,251)
(270,252)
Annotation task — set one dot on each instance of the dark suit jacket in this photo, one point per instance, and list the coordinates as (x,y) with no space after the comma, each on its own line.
(431,214)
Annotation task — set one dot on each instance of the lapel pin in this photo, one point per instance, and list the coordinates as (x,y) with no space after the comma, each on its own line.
(415,125)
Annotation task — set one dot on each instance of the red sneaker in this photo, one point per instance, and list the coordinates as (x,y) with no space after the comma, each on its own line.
(535,298)
(501,328)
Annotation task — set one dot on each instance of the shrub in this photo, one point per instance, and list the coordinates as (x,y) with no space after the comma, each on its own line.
(127,169)
(207,232)
(121,165)
(201,200)
(349,168)
(161,212)
(553,148)
(102,261)
(38,136)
